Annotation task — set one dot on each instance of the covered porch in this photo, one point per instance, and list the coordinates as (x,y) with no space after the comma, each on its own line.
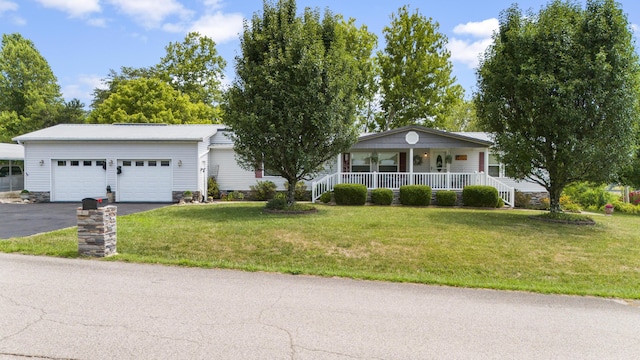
(416,155)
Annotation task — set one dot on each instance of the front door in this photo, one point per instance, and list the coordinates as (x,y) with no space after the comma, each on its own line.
(437,162)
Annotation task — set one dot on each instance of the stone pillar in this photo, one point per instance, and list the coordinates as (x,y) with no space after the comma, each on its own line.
(97,231)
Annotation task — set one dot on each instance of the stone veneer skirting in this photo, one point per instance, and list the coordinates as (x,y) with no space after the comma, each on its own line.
(97,231)
(40,196)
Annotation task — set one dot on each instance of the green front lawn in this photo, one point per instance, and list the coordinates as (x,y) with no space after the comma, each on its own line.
(499,249)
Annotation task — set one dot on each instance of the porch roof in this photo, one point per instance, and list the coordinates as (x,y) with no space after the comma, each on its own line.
(427,138)
(11,152)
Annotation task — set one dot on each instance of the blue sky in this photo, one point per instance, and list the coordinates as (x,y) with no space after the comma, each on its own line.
(83,39)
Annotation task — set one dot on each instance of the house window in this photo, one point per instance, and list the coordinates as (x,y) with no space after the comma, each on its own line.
(62,163)
(270,172)
(164,163)
(360,162)
(494,166)
(100,163)
(139,163)
(152,163)
(86,163)
(75,163)
(388,162)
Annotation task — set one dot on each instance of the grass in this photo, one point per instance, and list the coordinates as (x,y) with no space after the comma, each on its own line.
(457,247)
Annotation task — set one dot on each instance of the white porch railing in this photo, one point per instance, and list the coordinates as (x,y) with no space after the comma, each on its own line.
(437,181)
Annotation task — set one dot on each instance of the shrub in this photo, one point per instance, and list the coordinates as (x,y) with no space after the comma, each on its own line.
(350,194)
(523,200)
(382,196)
(278,202)
(234,195)
(263,190)
(480,196)
(300,193)
(566,204)
(500,203)
(446,198)
(213,191)
(634,197)
(415,195)
(626,208)
(589,195)
(326,197)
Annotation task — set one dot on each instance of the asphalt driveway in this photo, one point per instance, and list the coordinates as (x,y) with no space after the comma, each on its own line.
(17,220)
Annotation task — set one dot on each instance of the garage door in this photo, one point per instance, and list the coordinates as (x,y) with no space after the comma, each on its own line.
(144,181)
(74,180)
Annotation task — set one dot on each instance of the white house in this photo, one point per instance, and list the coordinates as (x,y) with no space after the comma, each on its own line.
(137,162)
(157,163)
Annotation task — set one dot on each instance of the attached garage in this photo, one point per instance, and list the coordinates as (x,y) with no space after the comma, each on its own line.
(144,180)
(78,178)
(136,162)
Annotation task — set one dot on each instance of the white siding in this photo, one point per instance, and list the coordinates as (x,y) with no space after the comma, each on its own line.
(470,165)
(39,177)
(231,176)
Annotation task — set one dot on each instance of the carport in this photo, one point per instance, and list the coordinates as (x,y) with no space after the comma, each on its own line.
(10,153)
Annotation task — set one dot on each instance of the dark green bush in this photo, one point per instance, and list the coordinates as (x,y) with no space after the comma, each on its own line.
(415,195)
(350,194)
(278,202)
(263,190)
(480,196)
(326,197)
(382,196)
(446,198)
(212,188)
(300,193)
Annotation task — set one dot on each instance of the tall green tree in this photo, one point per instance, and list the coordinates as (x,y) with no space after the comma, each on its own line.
(192,68)
(416,82)
(462,117)
(30,97)
(115,78)
(560,89)
(149,101)
(73,112)
(293,104)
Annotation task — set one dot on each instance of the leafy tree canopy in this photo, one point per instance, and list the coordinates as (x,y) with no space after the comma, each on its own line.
(416,82)
(30,97)
(192,68)
(293,104)
(559,89)
(149,101)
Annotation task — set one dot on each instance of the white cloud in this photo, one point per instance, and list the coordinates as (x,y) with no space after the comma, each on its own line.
(218,26)
(468,52)
(97,22)
(472,41)
(635,28)
(482,29)
(151,13)
(82,88)
(7,6)
(75,8)
(212,4)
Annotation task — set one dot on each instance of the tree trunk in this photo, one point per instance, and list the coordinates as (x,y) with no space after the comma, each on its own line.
(554,199)
(291,192)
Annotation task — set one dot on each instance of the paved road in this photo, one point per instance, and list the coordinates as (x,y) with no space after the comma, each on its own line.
(17,220)
(87,309)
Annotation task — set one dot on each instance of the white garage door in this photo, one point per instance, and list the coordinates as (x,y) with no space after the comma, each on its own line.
(144,181)
(74,180)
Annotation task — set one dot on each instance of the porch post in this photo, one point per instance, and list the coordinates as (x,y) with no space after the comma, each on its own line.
(411,166)
(486,161)
(11,174)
